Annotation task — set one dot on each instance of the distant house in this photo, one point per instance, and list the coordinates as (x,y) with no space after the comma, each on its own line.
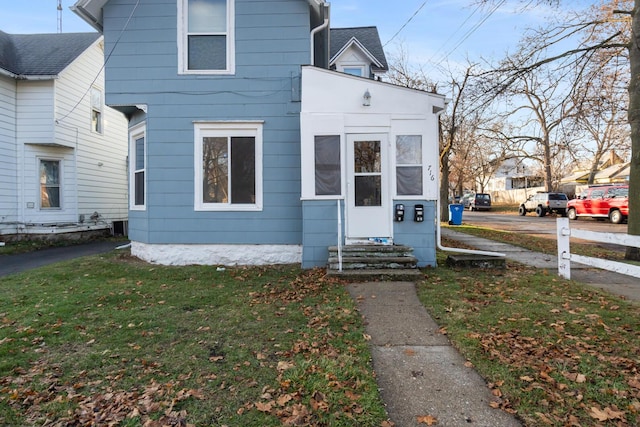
(513,174)
(245,147)
(62,150)
(611,170)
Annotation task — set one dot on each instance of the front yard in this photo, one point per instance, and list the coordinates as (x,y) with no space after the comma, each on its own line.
(110,340)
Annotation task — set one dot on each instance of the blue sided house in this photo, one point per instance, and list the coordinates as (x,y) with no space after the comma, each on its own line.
(259,135)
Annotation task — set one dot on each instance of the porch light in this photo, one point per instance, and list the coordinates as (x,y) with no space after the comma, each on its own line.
(366,99)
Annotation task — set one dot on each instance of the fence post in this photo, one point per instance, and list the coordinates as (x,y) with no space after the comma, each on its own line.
(563,233)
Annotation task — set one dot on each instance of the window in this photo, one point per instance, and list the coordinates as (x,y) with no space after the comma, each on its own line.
(206,36)
(50,184)
(409,165)
(228,166)
(96,110)
(354,71)
(137,168)
(327,165)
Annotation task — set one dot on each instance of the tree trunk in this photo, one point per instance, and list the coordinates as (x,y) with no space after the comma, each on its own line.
(634,121)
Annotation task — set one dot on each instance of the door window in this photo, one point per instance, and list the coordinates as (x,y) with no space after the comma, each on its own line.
(367,173)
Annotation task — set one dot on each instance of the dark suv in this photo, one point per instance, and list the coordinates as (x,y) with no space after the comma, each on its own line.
(480,201)
(601,201)
(545,203)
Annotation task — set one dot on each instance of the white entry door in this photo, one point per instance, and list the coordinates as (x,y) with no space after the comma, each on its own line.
(369,214)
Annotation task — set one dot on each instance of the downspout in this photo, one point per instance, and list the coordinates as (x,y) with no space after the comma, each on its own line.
(438,111)
(317,29)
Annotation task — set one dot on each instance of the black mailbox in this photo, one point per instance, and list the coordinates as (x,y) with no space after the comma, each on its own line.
(399,216)
(418,213)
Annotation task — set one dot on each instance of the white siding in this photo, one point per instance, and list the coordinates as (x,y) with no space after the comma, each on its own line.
(8,171)
(35,112)
(101,158)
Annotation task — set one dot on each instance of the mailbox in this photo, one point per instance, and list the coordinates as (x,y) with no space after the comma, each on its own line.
(399,216)
(418,213)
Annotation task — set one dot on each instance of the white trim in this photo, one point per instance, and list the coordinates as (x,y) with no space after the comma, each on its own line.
(135,132)
(60,160)
(356,42)
(228,255)
(227,129)
(183,51)
(98,108)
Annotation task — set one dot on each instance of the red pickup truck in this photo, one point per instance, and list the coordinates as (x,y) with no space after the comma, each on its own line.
(601,201)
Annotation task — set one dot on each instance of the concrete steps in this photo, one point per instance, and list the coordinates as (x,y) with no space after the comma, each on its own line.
(374,262)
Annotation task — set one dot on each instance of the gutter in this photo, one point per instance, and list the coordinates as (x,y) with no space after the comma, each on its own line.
(319,28)
(87,16)
(438,112)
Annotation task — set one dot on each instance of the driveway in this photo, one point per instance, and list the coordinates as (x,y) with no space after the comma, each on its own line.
(10,264)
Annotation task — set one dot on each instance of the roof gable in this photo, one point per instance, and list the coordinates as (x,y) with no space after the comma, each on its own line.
(366,39)
(42,54)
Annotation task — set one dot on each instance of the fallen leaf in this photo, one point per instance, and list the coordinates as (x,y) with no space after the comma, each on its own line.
(428,420)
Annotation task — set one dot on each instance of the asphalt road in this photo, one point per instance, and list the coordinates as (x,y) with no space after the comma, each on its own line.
(532,224)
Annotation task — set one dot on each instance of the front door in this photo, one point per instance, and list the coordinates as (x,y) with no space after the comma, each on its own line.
(369,214)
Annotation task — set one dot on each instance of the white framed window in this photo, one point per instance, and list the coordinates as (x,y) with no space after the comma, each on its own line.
(206,36)
(409,170)
(96,110)
(137,167)
(328,167)
(50,174)
(228,166)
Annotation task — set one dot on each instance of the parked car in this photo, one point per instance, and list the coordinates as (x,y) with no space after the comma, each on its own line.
(543,203)
(601,201)
(480,201)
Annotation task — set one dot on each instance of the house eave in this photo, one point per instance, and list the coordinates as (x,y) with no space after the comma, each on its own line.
(90,11)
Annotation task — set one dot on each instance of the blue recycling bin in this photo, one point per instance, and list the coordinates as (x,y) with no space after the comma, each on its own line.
(455,213)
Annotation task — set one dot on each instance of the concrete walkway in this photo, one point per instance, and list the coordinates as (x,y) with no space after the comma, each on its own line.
(418,371)
(619,284)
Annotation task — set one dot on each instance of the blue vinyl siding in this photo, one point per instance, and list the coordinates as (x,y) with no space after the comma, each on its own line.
(419,235)
(320,230)
(272,41)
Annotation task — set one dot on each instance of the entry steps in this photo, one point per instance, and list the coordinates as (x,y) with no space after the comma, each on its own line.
(374,262)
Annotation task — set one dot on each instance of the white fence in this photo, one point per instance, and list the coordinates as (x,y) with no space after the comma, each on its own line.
(564,233)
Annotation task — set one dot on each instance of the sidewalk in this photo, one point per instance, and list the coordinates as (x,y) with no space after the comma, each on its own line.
(619,284)
(418,371)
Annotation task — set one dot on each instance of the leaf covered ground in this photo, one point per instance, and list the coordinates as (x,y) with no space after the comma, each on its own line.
(112,341)
(556,352)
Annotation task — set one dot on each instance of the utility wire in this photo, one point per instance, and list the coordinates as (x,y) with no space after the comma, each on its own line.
(104,64)
(406,23)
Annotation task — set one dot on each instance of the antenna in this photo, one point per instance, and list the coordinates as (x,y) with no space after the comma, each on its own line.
(59,16)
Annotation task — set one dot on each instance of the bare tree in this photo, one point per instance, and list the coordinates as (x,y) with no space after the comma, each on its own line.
(607,29)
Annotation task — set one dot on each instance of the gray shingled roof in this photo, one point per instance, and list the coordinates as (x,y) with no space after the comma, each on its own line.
(367,36)
(42,54)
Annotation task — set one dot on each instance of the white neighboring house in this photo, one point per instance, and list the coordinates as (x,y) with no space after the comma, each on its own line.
(63,152)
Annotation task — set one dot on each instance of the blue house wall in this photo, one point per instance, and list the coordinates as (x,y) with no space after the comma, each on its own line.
(272,40)
(320,230)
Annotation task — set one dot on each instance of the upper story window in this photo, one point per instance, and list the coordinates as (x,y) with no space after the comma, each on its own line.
(206,43)
(96,110)
(354,70)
